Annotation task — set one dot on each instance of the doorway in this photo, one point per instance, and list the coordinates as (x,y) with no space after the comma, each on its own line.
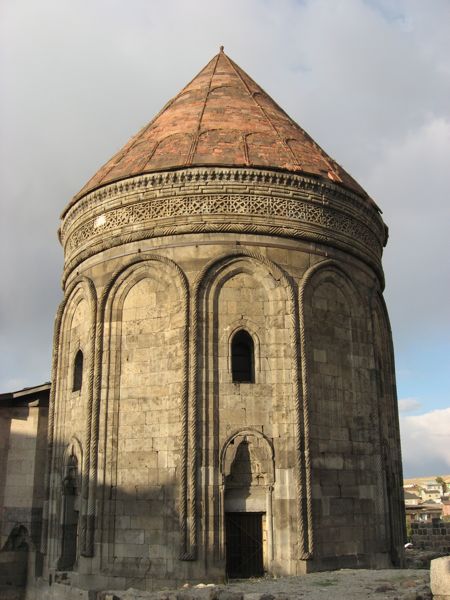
(70,509)
(244,544)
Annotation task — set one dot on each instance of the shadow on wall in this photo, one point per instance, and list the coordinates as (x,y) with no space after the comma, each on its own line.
(23,443)
(139,517)
(23,439)
(138,522)
(14,558)
(139,526)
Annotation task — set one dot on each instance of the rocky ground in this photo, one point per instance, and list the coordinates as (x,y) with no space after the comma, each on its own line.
(346,584)
(416,558)
(411,583)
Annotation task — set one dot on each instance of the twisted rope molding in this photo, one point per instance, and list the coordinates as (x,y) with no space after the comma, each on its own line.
(284,231)
(300,454)
(51,421)
(332,266)
(381,502)
(305,385)
(89,547)
(204,278)
(87,450)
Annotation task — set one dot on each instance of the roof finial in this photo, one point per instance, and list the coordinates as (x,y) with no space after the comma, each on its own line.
(221,48)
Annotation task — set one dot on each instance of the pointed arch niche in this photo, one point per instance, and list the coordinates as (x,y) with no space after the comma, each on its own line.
(247,292)
(70,506)
(70,410)
(244,319)
(339,388)
(248,477)
(145,329)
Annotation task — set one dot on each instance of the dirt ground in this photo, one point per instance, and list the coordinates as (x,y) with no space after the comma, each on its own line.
(346,584)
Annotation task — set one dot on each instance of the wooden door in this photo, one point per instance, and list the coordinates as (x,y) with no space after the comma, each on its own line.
(244,544)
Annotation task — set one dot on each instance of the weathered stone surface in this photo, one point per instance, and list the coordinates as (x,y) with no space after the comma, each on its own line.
(237,362)
(440,578)
(23,452)
(433,537)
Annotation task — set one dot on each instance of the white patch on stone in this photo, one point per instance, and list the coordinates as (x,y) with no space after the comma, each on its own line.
(99,221)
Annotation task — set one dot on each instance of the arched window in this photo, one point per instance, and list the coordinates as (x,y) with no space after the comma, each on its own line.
(78,371)
(242,358)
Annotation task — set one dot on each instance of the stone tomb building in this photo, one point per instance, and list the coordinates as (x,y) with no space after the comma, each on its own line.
(223,398)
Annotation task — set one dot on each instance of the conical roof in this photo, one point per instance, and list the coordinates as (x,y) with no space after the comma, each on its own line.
(222,118)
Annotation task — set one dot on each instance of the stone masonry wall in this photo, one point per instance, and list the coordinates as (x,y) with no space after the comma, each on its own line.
(145,422)
(23,457)
(142,408)
(70,420)
(432,536)
(163,416)
(252,302)
(345,443)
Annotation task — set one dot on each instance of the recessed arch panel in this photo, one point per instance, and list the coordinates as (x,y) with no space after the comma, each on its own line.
(249,293)
(145,323)
(342,411)
(70,410)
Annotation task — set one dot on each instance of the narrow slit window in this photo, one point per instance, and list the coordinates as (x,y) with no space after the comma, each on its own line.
(78,371)
(243,358)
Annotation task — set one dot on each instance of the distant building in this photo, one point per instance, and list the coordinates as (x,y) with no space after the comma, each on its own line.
(431,491)
(424,512)
(425,500)
(411,499)
(413,488)
(23,448)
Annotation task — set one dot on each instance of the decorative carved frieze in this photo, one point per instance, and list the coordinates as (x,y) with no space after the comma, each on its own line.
(214,200)
(147,212)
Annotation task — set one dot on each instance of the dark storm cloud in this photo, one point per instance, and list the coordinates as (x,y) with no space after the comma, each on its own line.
(369,80)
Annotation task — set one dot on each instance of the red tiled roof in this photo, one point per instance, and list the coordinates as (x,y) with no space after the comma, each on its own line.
(222,117)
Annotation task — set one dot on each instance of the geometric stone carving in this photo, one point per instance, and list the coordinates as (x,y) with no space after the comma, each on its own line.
(126,216)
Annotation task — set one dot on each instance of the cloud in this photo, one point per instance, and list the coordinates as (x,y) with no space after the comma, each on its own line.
(406,405)
(412,177)
(367,81)
(426,443)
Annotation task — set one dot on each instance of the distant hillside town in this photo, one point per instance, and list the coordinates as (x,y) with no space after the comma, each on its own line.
(427,498)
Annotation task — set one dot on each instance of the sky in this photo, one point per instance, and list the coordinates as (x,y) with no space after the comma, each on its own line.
(368,79)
